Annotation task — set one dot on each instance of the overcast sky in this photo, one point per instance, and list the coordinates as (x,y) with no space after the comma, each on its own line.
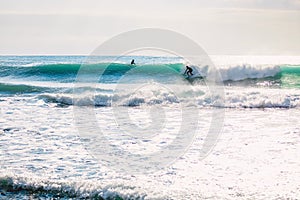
(240,27)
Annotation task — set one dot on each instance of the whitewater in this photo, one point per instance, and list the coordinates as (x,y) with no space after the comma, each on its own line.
(48,150)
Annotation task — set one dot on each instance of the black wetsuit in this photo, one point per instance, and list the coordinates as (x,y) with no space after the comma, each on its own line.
(189,70)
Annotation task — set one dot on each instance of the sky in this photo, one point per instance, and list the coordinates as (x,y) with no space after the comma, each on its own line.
(220,27)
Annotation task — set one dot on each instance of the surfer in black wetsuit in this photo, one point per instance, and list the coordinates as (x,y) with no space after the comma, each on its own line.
(132,62)
(188,71)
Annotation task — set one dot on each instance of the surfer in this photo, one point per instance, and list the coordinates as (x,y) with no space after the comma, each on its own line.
(188,71)
(132,62)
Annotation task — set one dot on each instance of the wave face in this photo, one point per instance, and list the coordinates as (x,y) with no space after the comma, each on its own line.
(69,69)
(112,72)
(290,76)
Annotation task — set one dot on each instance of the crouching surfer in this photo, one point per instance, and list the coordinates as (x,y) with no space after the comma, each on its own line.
(189,71)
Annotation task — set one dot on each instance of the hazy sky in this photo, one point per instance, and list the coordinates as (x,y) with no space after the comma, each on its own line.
(256,27)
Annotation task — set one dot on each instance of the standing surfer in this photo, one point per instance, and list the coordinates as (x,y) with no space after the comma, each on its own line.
(132,62)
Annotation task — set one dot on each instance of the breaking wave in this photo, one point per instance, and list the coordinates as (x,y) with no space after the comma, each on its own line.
(272,98)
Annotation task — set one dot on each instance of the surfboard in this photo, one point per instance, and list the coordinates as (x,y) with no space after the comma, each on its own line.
(191,77)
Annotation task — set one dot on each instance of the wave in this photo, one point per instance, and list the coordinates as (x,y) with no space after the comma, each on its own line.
(272,98)
(230,72)
(20,187)
(104,96)
(20,80)
(107,100)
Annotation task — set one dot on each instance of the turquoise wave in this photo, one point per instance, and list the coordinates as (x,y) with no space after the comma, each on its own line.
(290,76)
(67,69)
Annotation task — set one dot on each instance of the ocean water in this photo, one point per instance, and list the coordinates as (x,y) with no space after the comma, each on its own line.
(48,148)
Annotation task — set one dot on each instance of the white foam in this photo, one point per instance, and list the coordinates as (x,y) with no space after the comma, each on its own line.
(236,68)
(237,72)
(261,98)
(235,97)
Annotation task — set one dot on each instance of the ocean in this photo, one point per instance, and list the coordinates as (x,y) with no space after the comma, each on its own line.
(105,129)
